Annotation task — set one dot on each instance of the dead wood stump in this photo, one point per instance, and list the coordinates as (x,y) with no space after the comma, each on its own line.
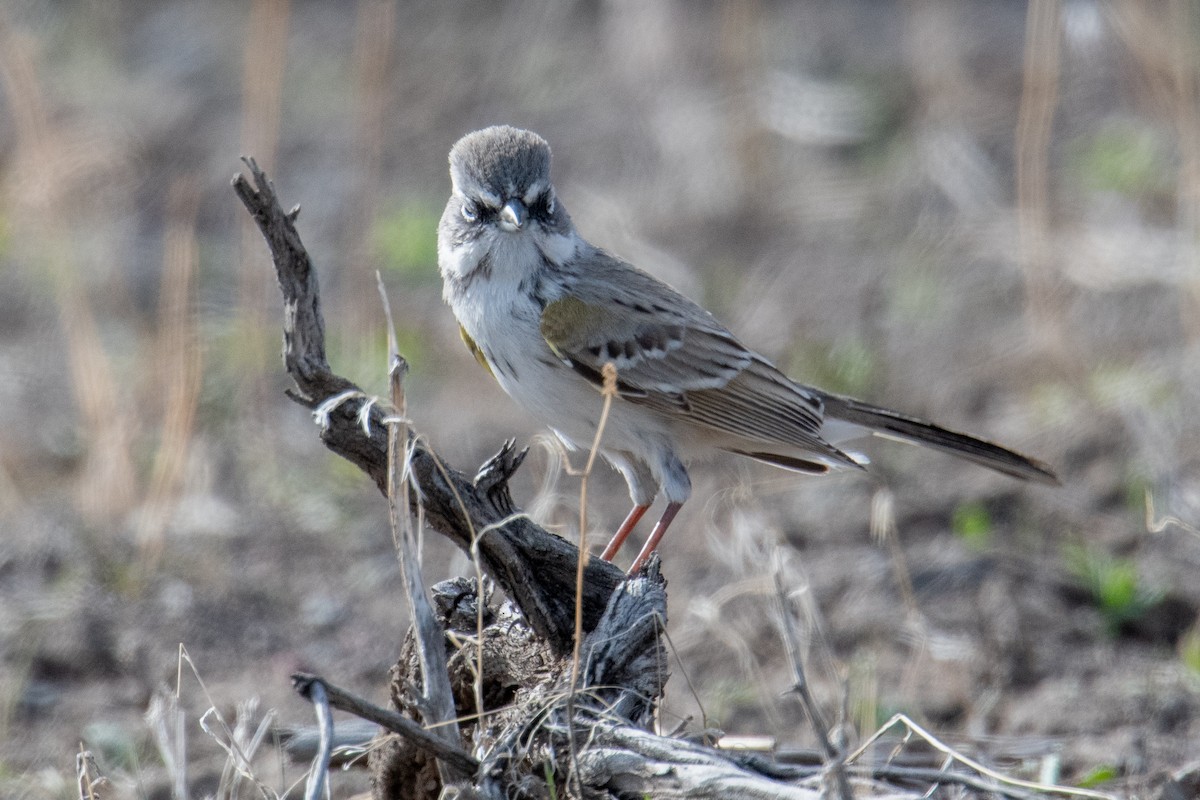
(532,722)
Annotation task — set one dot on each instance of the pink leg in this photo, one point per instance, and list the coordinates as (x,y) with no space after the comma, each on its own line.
(655,537)
(623,532)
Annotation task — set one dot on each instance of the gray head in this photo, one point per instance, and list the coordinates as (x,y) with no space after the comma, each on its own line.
(500,160)
(501,176)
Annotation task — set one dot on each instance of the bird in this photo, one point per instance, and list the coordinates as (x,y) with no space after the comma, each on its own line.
(545,312)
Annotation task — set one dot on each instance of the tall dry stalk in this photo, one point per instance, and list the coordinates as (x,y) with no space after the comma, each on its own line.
(1161,37)
(177,365)
(264,58)
(1186,115)
(55,171)
(740,58)
(1035,128)
(374,39)
(49,169)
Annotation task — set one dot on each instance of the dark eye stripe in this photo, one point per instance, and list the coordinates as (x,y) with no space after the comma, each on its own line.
(543,206)
(477,211)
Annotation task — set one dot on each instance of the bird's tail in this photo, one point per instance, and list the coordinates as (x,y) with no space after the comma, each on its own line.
(886,422)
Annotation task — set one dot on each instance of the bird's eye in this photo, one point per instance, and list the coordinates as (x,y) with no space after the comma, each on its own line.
(469,212)
(549,202)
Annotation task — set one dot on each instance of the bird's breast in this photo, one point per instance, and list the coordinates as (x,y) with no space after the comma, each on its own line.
(504,322)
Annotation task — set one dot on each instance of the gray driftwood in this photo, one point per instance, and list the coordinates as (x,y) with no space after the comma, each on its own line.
(539,735)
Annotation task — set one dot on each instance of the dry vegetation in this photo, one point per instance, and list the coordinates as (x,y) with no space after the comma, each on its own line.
(984,213)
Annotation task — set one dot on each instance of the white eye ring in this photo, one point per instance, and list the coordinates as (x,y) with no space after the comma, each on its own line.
(550,202)
(469,213)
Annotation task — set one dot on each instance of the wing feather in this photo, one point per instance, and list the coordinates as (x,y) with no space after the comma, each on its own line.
(658,340)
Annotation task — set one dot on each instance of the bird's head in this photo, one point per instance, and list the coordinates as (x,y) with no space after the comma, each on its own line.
(501,178)
(502,220)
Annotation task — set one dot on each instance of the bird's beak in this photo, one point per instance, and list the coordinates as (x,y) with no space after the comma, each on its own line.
(514,215)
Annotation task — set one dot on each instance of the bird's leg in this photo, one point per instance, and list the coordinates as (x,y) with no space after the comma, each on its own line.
(623,532)
(655,537)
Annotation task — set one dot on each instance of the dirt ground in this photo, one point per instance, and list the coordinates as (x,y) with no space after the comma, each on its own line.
(956,210)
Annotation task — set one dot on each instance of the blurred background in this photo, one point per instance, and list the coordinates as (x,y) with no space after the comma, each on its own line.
(986,213)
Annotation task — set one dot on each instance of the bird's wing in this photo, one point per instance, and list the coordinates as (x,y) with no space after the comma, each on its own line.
(654,352)
(673,356)
(659,341)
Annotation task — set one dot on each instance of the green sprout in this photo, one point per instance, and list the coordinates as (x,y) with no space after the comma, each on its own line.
(405,240)
(1122,159)
(847,366)
(1189,650)
(1114,585)
(1098,775)
(972,523)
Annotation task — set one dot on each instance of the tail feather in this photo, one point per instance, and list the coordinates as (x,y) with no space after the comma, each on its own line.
(786,462)
(912,429)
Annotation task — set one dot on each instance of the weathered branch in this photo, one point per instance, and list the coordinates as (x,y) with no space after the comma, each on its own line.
(349,702)
(533,567)
(625,664)
(624,761)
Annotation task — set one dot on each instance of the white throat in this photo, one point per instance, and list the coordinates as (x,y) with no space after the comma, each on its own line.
(511,257)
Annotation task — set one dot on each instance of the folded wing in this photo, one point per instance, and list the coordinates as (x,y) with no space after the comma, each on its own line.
(673,356)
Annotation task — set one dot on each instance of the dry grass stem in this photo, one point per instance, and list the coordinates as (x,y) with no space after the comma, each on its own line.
(477,564)
(911,728)
(1157,524)
(885,532)
(608,392)
(178,363)
(1185,62)
(167,724)
(835,756)
(436,700)
(45,157)
(236,740)
(264,63)
(88,779)
(372,58)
